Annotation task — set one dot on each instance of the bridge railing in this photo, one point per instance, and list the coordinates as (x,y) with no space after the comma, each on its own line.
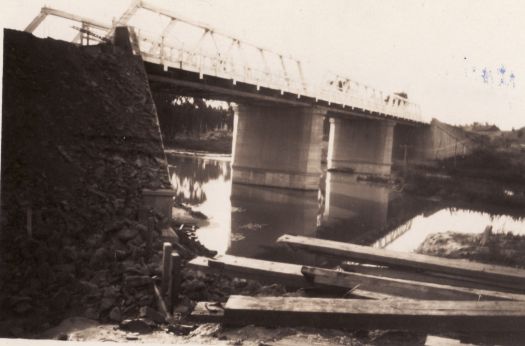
(285,75)
(350,94)
(171,54)
(355,95)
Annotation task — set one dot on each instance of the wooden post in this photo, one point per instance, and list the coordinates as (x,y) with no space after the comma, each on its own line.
(174,284)
(161,306)
(166,268)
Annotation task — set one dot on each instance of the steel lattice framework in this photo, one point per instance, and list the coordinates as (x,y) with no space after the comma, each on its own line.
(221,55)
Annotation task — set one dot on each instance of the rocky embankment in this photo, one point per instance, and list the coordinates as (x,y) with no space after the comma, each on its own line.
(80,141)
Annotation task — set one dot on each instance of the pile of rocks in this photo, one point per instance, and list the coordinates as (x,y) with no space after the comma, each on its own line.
(80,142)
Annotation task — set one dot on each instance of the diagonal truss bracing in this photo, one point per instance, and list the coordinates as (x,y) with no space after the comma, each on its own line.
(222,55)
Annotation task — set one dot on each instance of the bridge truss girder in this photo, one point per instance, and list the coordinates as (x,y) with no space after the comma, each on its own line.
(275,71)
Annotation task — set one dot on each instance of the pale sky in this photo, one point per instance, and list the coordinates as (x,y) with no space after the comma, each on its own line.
(461,61)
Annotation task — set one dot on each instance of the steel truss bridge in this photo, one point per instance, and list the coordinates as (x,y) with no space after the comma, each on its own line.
(220,64)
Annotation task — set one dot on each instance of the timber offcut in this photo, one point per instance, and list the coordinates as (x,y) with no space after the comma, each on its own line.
(505,276)
(356,314)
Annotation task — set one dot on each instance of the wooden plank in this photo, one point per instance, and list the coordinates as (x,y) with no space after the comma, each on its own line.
(403,288)
(356,314)
(174,284)
(363,294)
(166,268)
(207,312)
(433,340)
(366,254)
(269,272)
(432,277)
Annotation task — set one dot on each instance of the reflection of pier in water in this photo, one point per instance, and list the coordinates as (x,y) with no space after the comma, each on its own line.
(260,215)
(362,212)
(245,220)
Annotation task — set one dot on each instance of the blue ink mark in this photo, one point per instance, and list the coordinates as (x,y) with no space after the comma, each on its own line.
(485,74)
(502,71)
(512,79)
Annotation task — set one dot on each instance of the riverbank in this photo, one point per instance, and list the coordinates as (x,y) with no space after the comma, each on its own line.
(505,249)
(219,142)
(149,326)
(489,179)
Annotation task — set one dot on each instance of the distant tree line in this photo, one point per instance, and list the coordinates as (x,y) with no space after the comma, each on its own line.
(191,116)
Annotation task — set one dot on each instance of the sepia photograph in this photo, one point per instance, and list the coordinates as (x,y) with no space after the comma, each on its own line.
(262,172)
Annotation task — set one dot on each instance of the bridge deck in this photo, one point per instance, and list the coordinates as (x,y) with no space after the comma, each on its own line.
(235,69)
(189,83)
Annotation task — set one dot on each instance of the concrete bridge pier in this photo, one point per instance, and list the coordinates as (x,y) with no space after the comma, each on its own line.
(362,146)
(277,146)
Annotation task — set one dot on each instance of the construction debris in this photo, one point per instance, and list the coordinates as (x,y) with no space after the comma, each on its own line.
(83,241)
(356,314)
(504,276)
(403,288)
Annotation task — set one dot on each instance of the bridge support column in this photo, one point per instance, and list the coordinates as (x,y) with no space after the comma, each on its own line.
(278,146)
(361,145)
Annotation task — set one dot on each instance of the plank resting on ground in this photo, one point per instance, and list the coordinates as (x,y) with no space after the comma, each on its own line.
(368,286)
(357,314)
(269,272)
(367,254)
(431,277)
(403,288)
(207,312)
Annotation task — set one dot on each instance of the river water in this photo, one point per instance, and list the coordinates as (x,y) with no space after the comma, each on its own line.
(246,220)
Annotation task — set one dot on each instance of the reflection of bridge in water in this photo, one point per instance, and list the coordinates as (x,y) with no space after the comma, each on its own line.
(363,212)
(393,235)
(246,220)
(282,101)
(189,175)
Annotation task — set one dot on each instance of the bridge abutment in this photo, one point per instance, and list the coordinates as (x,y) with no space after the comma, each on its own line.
(277,146)
(423,143)
(361,145)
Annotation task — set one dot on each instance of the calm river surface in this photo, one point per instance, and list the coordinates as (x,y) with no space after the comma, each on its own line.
(246,220)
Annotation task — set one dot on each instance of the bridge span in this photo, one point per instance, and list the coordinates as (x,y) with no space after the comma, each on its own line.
(281,104)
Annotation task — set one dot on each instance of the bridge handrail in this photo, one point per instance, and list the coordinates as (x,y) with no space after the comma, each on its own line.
(333,89)
(208,64)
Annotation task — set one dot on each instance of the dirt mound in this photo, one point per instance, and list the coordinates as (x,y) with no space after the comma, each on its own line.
(493,248)
(80,141)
